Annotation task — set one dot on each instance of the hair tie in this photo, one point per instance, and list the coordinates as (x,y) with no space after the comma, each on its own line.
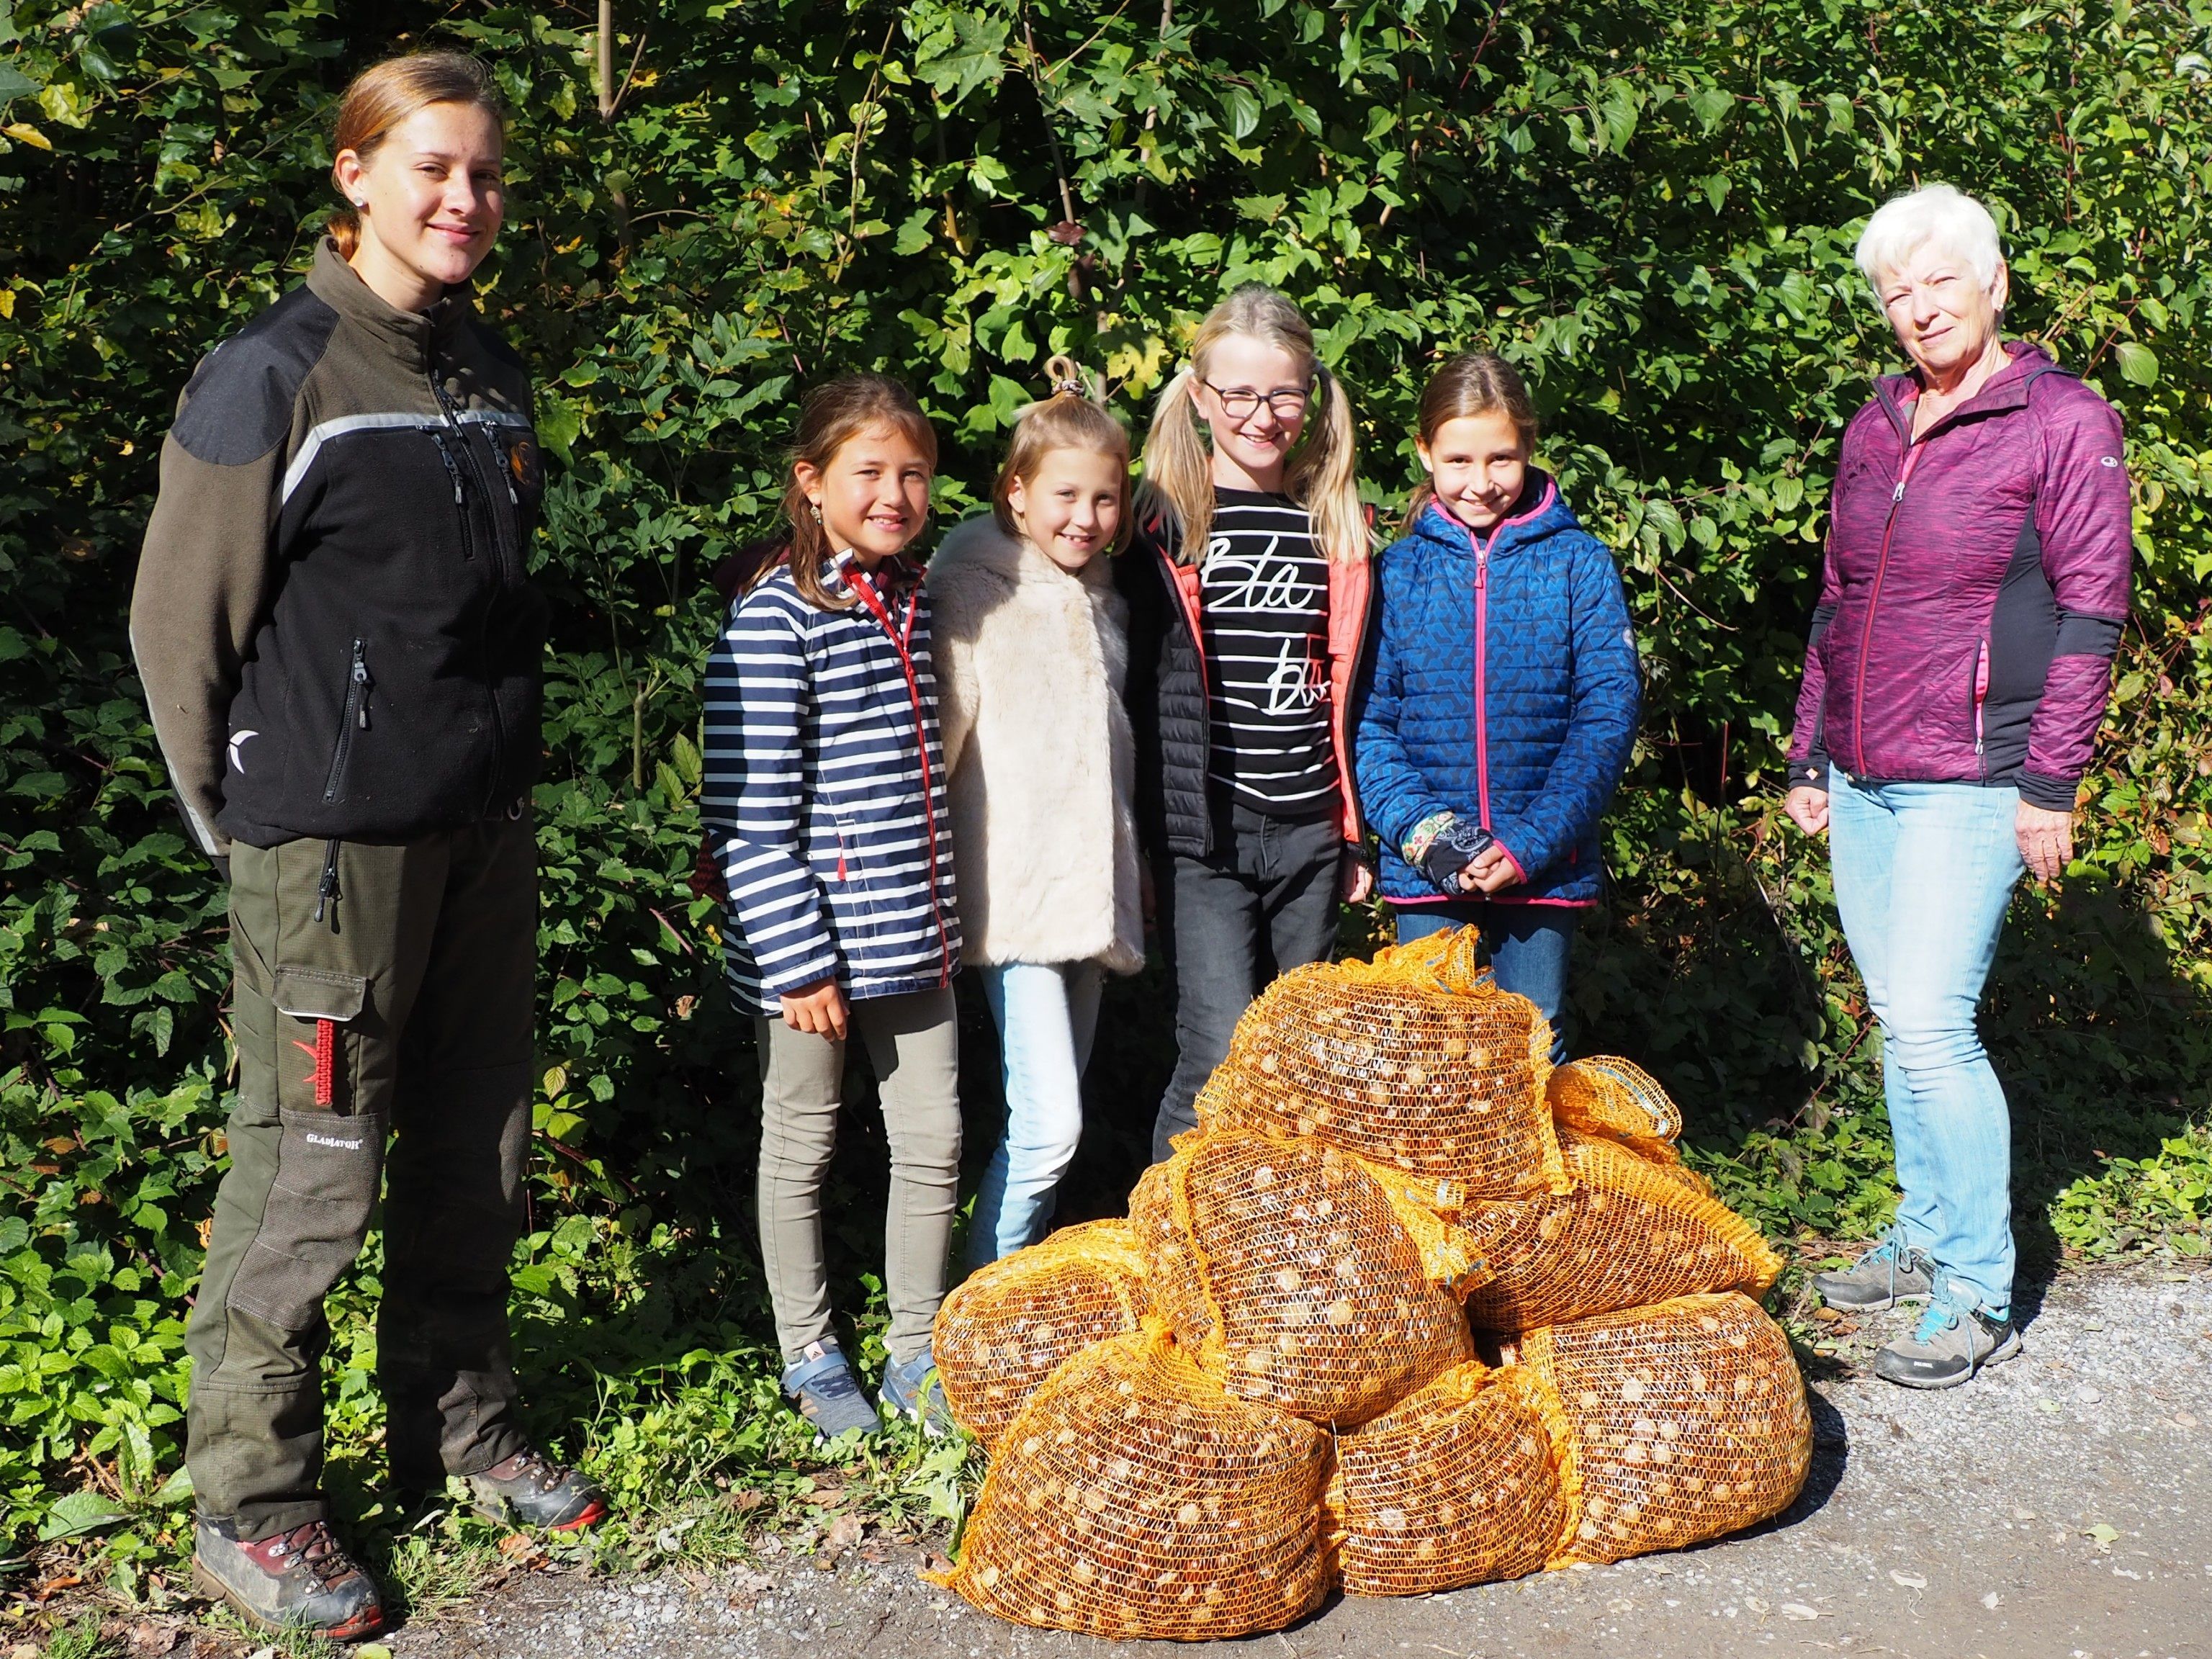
(1066,376)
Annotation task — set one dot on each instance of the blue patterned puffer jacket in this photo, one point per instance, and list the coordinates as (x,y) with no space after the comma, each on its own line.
(1504,686)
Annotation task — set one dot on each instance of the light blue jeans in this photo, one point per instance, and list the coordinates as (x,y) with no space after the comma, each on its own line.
(1047,1013)
(1924,874)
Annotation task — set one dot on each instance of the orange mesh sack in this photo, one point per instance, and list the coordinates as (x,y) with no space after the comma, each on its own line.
(1415,1060)
(1283,1268)
(1674,1424)
(1455,1486)
(1009,1326)
(1617,1100)
(1132,1497)
(1629,1234)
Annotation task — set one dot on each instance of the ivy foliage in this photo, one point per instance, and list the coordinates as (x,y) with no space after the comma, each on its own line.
(1650,205)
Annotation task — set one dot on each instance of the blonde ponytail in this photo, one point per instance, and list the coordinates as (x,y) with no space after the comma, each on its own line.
(1178,483)
(1323,475)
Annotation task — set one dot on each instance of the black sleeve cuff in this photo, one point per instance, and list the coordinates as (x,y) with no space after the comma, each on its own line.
(2052,795)
(1811,773)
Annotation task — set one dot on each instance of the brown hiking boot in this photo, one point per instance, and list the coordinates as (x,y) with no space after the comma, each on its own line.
(300,1581)
(531,1490)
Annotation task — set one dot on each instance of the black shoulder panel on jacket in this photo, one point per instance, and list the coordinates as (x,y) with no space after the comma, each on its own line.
(499,349)
(239,405)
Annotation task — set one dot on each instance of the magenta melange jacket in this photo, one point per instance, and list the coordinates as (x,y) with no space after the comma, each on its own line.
(1973,591)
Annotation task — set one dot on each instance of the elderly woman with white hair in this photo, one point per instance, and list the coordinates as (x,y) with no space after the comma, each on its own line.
(1973,592)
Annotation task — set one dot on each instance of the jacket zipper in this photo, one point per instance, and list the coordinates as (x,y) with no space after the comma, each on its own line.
(499,570)
(461,439)
(1482,674)
(1341,718)
(460,503)
(1981,698)
(352,718)
(900,647)
(355,717)
(1874,599)
(1188,612)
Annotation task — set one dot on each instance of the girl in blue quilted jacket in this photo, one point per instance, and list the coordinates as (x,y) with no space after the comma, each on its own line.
(1501,707)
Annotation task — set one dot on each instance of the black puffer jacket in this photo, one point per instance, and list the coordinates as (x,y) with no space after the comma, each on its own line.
(333,619)
(1166,691)
(1166,695)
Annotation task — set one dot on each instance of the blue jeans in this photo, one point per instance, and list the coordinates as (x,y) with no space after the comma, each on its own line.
(1924,874)
(1046,1014)
(1529,946)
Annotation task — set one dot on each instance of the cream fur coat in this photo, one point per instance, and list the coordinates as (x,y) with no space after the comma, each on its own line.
(1029,660)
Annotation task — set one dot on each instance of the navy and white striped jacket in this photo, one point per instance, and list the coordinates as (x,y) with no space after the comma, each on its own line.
(825,784)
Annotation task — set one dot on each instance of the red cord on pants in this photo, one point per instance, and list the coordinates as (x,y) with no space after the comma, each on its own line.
(325,1054)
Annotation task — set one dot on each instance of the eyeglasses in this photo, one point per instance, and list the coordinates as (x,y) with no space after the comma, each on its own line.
(1243,403)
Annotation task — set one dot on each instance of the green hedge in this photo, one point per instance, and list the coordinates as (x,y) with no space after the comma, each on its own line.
(1650,206)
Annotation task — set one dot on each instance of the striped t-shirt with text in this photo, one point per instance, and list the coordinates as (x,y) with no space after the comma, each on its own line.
(1263,606)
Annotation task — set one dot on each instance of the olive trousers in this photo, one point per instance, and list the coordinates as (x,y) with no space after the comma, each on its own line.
(383,1033)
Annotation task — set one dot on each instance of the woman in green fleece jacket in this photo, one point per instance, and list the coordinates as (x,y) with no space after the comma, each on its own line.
(341,650)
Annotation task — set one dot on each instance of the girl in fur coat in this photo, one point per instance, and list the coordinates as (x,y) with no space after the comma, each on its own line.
(1031,652)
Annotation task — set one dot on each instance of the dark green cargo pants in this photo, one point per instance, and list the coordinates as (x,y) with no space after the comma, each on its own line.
(403,1013)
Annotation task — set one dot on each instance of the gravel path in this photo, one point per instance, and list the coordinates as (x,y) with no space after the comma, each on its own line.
(2060,1506)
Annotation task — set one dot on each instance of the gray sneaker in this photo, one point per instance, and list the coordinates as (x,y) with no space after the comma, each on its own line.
(822,1385)
(1886,1276)
(1947,1346)
(915,1393)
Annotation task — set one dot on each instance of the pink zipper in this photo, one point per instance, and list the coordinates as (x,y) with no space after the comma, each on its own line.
(1481,673)
(1981,697)
(1874,599)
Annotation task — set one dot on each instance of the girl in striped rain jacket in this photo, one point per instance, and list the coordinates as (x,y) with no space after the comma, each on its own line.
(825,808)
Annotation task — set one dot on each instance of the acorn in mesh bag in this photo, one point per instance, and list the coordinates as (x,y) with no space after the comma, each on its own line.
(1630,1233)
(1009,1325)
(1674,1424)
(1457,1486)
(1132,1497)
(1285,1271)
(1415,1060)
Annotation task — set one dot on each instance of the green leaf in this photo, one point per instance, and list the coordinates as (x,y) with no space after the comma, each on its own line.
(973,55)
(1243,110)
(2138,363)
(79,1513)
(1711,105)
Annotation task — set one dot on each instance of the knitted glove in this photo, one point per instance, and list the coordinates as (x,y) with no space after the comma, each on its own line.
(1444,849)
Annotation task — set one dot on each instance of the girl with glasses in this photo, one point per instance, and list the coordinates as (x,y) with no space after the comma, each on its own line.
(1247,589)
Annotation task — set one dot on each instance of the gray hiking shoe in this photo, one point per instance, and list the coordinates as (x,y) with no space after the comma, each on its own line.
(300,1582)
(1947,1346)
(829,1395)
(914,1391)
(1886,1276)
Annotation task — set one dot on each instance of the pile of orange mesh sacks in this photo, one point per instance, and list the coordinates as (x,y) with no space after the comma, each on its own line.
(1409,1310)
